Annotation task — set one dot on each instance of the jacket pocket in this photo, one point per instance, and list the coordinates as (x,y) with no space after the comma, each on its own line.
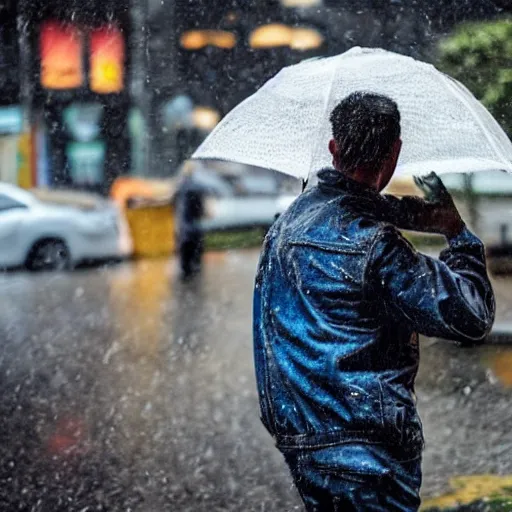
(361,398)
(401,420)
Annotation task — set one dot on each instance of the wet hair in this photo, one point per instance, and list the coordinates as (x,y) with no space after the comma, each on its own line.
(365,126)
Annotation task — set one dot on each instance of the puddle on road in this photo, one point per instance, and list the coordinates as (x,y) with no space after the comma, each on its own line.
(500,364)
(467,489)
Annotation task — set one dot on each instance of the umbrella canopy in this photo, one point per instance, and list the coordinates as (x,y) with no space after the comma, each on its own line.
(285,125)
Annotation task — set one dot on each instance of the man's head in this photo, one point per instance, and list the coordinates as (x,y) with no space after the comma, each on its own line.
(366,138)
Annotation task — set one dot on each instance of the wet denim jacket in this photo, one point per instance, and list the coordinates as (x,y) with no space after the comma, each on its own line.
(339,300)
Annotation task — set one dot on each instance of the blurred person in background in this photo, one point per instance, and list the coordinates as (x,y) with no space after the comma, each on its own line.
(340,298)
(189,204)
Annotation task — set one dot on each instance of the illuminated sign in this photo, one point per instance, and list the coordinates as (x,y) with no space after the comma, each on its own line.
(107,60)
(87,160)
(61,56)
(83,120)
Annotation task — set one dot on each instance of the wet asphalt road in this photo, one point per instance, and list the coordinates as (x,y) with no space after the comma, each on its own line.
(124,389)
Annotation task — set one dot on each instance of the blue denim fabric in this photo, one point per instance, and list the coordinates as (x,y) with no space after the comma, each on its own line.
(356,477)
(339,300)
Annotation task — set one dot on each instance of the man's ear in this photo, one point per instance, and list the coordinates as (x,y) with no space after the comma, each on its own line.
(392,159)
(333,149)
(397,147)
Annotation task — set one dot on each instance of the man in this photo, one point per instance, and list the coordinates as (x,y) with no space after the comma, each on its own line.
(190,209)
(340,298)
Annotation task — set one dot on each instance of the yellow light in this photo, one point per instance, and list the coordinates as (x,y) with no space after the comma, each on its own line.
(221,39)
(306,39)
(197,39)
(205,118)
(276,34)
(270,36)
(193,40)
(300,3)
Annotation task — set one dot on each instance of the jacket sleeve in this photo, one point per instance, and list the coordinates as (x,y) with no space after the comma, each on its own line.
(449,298)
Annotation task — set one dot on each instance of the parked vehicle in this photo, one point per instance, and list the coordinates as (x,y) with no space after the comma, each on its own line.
(55,230)
(240,196)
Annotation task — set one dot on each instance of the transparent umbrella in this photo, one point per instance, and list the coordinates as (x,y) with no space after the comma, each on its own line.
(285,125)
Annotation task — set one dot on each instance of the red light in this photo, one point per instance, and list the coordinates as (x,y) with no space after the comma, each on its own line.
(61,56)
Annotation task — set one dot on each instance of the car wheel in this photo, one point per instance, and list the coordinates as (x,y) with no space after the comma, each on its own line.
(49,255)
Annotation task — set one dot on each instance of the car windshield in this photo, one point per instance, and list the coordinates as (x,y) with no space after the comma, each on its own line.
(8,203)
(18,195)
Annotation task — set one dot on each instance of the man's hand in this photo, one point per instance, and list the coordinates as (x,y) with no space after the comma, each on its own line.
(436,213)
(440,214)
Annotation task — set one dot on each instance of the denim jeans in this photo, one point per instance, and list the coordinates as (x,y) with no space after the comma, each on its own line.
(356,477)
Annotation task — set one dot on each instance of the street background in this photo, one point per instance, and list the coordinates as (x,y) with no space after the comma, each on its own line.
(124,388)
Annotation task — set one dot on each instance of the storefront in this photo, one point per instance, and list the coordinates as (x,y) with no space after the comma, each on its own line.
(80,92)
(83,84)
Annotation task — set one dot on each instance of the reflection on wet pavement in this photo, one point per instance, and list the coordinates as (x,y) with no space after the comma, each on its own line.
(500,364)
(126,389)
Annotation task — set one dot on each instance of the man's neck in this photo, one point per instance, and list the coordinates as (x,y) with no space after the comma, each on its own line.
(360,176)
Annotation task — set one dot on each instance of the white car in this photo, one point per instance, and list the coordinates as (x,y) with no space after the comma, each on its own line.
(241,196)
(57,230)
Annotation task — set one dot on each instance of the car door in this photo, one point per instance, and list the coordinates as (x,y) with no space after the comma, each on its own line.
(13,215)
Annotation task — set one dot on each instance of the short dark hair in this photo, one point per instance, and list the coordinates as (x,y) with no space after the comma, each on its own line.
(365,126)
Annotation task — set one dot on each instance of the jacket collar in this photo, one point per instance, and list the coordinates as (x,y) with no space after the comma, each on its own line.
(339,181)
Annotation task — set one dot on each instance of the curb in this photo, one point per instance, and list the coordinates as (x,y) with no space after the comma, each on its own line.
(501,334)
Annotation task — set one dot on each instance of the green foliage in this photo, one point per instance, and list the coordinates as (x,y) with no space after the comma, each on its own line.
(480,56)
(234,239)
